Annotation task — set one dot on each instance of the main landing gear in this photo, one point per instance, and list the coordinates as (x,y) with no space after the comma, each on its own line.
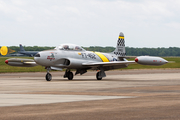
(98,77)
(68,74)
(100,74)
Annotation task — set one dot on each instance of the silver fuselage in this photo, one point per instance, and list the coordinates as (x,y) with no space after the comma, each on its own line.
(72,59)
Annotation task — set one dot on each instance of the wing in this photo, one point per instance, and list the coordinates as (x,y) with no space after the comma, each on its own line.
(114,63)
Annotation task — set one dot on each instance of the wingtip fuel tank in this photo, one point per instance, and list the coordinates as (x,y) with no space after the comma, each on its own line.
(20,62)
(150,60)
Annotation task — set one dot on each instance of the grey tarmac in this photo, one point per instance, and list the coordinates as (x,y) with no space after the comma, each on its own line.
(147,94)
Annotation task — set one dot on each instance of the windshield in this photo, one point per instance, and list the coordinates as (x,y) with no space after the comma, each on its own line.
(69,47)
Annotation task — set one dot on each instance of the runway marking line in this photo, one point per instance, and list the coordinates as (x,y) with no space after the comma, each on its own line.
(32,99)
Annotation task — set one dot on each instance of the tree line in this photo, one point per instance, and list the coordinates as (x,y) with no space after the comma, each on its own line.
(130,51)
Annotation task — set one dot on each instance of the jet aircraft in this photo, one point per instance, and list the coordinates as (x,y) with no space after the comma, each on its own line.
(70,56)
(28,53)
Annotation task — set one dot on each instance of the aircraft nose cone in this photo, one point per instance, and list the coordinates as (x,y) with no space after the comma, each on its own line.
(166,61)
(37,57)
(136,59)
(6,61)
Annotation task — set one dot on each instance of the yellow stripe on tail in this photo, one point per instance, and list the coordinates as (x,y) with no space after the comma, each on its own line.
(120,37)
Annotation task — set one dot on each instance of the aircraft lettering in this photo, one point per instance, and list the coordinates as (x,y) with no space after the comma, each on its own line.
(88,55)
(84,55)
(92,56)
(154,60)
(120,50)
(51,57)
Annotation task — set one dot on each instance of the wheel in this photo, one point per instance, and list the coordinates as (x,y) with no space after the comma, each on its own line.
(70,75)
(48,77)
(97,76)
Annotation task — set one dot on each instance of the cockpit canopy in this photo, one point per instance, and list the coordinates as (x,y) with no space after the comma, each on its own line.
(71,47)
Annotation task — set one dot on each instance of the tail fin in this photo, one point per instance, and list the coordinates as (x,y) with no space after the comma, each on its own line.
(120,48)
(21,47)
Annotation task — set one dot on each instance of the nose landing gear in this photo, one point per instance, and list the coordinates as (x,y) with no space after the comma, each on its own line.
(48,75)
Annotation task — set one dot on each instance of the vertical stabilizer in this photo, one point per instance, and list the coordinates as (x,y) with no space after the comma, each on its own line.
(120,48)
(21,47)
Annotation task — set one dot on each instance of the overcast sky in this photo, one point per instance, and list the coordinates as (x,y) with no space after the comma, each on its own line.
(145,23)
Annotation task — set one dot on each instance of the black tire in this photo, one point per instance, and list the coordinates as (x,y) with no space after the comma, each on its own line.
(48,77)
(70,76)
(97,76)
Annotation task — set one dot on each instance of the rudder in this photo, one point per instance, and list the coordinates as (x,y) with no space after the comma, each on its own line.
(120,48)
(21,47)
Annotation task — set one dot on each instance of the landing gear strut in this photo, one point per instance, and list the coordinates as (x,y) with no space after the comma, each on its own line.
(48,75)
(68,74)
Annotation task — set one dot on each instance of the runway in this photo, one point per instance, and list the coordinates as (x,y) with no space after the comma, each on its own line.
(123,94)
(31,99)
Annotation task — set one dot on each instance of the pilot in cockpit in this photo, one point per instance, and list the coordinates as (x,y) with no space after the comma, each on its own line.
(77,48)
(66,47)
